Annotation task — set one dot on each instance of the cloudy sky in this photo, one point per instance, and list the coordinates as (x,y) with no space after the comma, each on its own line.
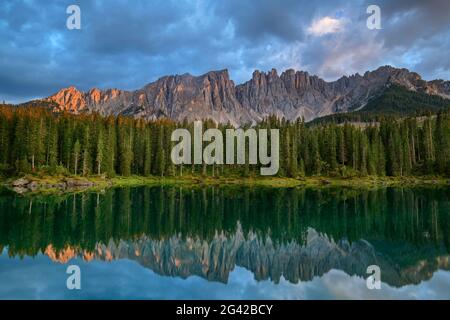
(39,278)
(126,44)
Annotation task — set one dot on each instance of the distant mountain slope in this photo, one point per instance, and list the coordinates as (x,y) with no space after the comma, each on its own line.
(267,259)
(394,101)
(399,100)
(292,95)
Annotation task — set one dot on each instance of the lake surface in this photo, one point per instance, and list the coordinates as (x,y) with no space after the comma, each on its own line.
(227,243)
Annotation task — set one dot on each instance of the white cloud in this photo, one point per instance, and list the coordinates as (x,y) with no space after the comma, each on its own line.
(326,25)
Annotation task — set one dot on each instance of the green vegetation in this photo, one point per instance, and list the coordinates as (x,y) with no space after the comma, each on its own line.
(38,142)
(48,185)
(385,217)
(274,182)
(393,103)
(400,100)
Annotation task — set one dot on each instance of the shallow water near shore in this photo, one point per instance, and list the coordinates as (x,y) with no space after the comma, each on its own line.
(177,242)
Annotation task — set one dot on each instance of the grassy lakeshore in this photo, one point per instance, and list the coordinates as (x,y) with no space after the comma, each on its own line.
(282,182)
(52,184)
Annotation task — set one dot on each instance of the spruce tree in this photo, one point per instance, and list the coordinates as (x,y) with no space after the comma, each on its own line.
(76,156)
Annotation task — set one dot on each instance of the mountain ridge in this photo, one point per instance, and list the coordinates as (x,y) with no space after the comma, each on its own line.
(213,95)
(294,261)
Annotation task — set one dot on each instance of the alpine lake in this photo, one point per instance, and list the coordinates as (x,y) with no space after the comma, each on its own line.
(218,242)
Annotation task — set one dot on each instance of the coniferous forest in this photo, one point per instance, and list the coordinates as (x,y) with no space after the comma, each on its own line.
(34,139)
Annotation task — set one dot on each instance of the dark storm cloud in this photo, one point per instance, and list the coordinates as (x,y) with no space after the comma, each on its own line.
(128,44)
(257,21)
(414,20)
(420,29)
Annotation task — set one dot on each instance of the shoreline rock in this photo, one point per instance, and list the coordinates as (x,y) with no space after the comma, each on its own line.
(23,185)
(20,182)
(78,183)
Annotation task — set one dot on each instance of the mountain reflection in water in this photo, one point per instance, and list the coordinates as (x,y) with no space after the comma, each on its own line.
(296,234)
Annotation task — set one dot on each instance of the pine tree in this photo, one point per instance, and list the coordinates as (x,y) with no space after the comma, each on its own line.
(148,152)
(363,153)
(99,158)
(109,161)
(428,145)
(20,149)
(4,138)
(125,143)
(76,156)
(293,162)
(442,141)
(52,146)
(86,154)
(160,152)
(340,145)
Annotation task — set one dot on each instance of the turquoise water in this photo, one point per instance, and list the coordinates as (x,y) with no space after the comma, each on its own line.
(227,243)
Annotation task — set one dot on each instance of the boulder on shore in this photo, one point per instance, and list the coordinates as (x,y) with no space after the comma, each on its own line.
(33,185)
(20,182)
(325,182)
(20,190)
(23,185)
(73,183)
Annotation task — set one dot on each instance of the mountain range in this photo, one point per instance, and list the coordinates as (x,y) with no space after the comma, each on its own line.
(296,262)
(292,95)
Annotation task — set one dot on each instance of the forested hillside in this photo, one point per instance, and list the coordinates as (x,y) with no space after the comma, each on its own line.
(37,140)
(394,102)
(399,100)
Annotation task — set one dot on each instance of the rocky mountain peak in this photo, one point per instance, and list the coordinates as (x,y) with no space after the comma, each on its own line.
(268,259)
(69,99)
(214,95)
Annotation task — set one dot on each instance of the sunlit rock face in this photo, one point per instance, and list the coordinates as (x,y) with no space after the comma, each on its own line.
(106,102)
(214,259)
(290,95)
(69,99)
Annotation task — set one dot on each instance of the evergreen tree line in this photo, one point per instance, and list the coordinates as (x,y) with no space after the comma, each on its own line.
(422,217)
(37,140)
